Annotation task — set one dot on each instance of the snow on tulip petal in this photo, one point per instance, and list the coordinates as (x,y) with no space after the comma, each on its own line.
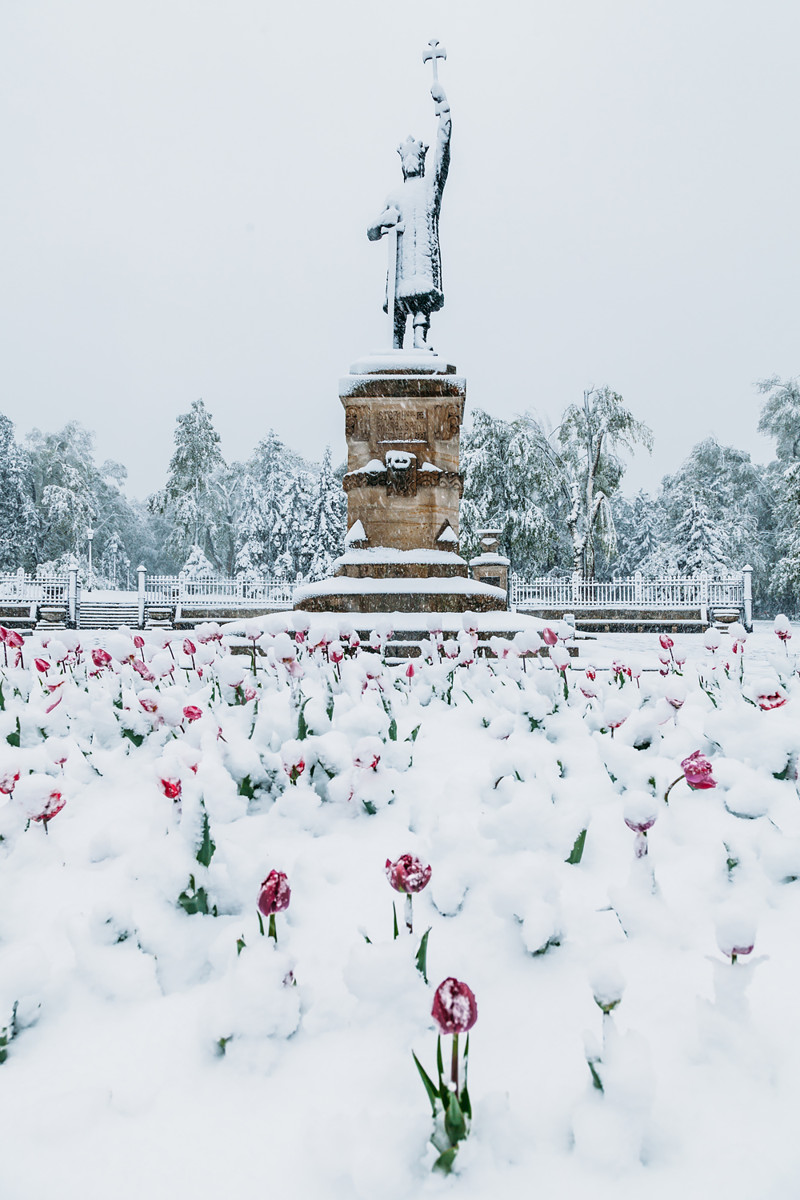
(698,772)
(408,873)
(192,713)
(455,1009)
(274,894)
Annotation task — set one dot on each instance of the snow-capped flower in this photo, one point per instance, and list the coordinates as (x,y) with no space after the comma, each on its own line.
(559,656)
(100,657)
(455,1009)
(293,757)
(408,873)
(675,693)
(665,641)
(336,652)
(769,700)
(608,986)
(189,647)
(711,641)
(141,668)
(274,894)
(273,897)
(14,639)
(641,813)
(192,713)
(367,753)
(8,778)
(698,772)
(736,934)
(40,799)
(171,788)
(782,627)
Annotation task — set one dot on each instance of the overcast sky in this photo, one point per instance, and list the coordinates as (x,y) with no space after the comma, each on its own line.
(187,184)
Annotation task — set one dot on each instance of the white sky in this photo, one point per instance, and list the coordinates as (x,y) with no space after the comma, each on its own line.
(187,185)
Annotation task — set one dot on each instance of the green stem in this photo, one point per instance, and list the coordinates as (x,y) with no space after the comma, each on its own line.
(273,932)
(671,786)
(454,1064)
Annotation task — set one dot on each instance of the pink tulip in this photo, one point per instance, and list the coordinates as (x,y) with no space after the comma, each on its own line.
(549,637)
(666,641)
(42,665)
(192,712)
(697,771)
(100,657)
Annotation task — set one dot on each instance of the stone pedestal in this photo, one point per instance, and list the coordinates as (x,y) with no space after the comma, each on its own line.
(403,414)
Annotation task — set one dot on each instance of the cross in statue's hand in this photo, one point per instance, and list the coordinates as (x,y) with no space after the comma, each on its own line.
(436,52)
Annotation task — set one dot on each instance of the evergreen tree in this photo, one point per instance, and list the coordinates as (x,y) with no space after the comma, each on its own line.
(327,520)
(18,519)
(192,497)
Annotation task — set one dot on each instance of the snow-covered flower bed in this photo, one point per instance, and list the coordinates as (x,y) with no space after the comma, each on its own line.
(212,977)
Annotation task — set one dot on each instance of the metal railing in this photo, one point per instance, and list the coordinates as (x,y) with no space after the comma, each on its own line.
(255,592)
(680,592)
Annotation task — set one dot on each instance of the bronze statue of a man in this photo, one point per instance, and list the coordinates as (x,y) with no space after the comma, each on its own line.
(411,218)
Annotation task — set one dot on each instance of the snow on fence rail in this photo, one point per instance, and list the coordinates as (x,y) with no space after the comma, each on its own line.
(22,588)
(180,589)
(633,592)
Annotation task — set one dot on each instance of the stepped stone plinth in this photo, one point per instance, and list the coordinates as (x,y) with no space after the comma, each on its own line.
(403,415)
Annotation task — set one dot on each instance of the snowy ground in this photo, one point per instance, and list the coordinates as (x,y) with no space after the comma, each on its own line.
(115,1083)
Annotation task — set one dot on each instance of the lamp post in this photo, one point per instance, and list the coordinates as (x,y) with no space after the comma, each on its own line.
(90,536)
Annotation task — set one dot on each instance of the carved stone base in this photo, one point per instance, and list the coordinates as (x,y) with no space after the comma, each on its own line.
(403,417)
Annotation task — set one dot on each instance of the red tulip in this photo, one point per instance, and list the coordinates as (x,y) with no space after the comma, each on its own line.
(455,1009)
(549,636)
(171,788)
(192,712)
(408,873)
(100,657)
(41,665)
(274,894)
(766,701)
(52,806)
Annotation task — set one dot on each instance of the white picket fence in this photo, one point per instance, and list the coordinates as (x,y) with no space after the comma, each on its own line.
(663,592)
(20,587)
(244,592)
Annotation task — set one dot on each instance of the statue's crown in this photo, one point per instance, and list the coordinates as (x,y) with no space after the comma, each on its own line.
(413,149)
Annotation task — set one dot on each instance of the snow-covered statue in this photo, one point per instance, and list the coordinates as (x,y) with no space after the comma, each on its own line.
(411,221)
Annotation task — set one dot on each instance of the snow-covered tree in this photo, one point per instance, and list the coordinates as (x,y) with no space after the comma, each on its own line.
(327,520)
(639,525)
(717,512)
(511,481)
(197,566)
(18,518)
(192,499)
(591,436)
